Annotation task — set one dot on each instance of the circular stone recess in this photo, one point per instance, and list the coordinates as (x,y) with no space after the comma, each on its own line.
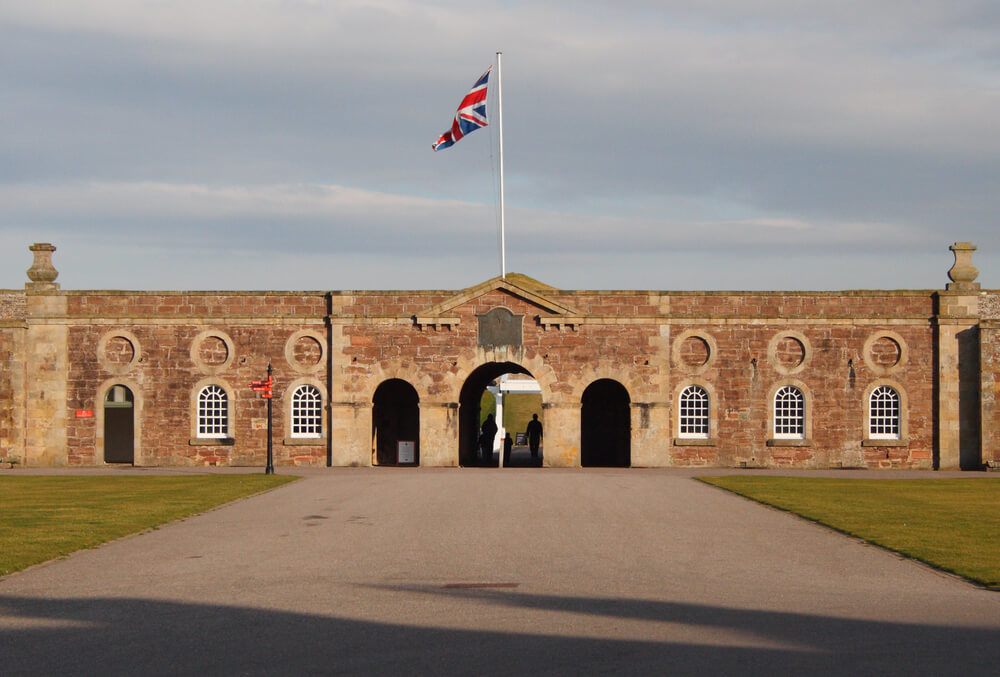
(885,352)
(119,351)
(213,351)
(695,351)
(790,352)
(307,351)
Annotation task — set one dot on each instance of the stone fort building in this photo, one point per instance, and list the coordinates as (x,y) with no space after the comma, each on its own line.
(864,378)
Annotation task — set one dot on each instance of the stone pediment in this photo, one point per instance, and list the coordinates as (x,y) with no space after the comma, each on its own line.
(520,286)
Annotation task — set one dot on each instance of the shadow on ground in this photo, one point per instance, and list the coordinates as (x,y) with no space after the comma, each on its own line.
(139,636)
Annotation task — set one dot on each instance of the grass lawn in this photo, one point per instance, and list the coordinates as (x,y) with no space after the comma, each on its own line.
(517,411)
(952,524)
(46,517)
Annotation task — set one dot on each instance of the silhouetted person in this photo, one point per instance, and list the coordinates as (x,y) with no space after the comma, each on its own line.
(508,446)
(488,436)
(534,432)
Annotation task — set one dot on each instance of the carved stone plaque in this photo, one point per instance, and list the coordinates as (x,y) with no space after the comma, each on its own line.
(500,327)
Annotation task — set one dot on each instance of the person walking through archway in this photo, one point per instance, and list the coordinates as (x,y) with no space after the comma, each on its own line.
(487,437)
(534,433)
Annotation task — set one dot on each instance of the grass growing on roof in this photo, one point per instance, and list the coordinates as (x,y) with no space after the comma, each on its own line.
(951,524)
(42,518)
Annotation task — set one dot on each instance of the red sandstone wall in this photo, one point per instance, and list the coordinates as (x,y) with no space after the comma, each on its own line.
(194,304)
(743,378)
(12,306)
(391,304)
(743,388)
(11,376)
(436,351)
(165,375)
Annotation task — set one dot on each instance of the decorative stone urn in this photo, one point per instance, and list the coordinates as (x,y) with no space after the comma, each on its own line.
(963,274)
(42,273)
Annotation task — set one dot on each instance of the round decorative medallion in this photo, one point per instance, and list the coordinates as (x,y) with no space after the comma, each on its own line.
(885,352)
(789,352)
(305,351)
(118,351)
(212,351)
(694,351)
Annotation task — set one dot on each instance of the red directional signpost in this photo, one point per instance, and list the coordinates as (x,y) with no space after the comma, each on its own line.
(265,389)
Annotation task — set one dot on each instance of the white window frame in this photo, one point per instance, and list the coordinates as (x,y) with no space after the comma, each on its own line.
(786,417)
(885,418)
(306,413)
(213,412)
(693,413)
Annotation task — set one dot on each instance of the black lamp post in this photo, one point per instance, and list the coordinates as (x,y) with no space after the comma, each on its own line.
(269,469)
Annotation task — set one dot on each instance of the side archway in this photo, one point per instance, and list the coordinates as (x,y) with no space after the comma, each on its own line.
(395,424)
(605,425)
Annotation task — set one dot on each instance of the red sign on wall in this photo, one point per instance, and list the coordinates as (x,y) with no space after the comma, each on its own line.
(85,413)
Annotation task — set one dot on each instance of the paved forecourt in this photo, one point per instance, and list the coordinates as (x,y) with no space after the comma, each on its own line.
(488,572)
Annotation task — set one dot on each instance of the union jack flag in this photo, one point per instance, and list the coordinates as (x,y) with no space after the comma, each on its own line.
(471,114)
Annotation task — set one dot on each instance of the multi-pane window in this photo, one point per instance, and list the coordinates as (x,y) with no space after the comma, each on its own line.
(883,414)
(693,413)
(307,412)
(789,413)
(213,412)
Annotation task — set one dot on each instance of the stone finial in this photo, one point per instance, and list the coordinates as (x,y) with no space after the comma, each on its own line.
(42,272)
(963,274)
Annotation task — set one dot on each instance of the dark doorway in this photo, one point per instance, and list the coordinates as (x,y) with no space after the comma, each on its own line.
(470,416)
(605,425)
(119,425)
(396,424)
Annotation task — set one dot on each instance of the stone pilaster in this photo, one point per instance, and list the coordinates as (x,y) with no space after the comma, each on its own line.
(439,434)
(561,444)
(46,379)
(649,421)
(46,364)
(351,433)
(958,358)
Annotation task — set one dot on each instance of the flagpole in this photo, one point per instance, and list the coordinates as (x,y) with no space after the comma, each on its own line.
(503,244)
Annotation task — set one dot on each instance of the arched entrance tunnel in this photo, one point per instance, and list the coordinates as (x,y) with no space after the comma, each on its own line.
(471,417)
(395,420)
(605,425)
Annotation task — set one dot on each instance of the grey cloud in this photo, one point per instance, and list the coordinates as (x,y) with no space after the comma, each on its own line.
(631,127)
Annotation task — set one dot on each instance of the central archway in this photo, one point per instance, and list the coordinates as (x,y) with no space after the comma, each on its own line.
(470,414)
(605,425)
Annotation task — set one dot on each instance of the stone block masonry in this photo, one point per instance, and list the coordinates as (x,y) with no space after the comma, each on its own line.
(860,378)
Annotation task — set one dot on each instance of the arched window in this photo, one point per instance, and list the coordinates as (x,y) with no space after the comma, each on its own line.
(213,412)
(307,412)
(789,413)
(692,419)
(883,414)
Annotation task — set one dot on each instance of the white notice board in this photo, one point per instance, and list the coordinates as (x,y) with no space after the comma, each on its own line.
(406,451)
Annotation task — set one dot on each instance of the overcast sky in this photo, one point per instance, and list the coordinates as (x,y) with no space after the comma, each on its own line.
(711,144)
